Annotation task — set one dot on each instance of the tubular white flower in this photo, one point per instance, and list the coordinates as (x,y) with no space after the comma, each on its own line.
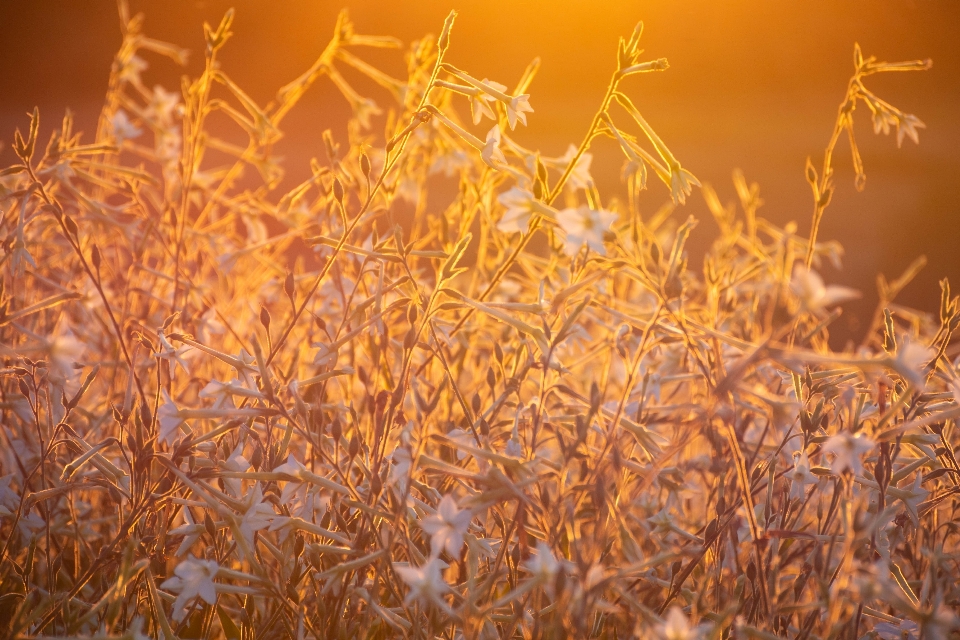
(491,153)
(168,415)
(584,226)
(814,296)
(192,578)
(426,583)
(847,449)
(521,206)
(517,106)
(446,527)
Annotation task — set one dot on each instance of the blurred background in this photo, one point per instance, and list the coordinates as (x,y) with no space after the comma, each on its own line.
(753,85)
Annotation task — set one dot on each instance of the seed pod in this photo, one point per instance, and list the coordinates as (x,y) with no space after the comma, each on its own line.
(265,318)
(209,526)
(365,164)
(288,286)
(71,225)
(710,531)
(475,403)
(354,446)
(338,190)
(336,431)
(95,258)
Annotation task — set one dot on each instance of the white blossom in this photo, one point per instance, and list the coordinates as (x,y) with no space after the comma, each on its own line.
(123,128)
(446,527)
(168,415)
(426,582)
(479,102)
(580,177)
(814,296)
(584,226)
(517,109)
(256,516)
(192,578)
(907,126)
(542,564)
(173,356)
(491,154)
(676,626)
(521,206)
(800,476)
(847,449)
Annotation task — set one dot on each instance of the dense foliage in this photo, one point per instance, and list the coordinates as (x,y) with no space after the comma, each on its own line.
(444,387)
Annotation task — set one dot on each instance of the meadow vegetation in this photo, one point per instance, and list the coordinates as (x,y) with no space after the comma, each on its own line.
(444,387)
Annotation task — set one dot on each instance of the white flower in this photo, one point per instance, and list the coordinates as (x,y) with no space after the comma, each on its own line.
(168,415)
(426,582)
(31,526)
(190,531)
(304,500)
(451,163)
(907,126)
(911,498)
(237,463)
(882,119)
(542,564)
(491,154)
(400,471)
(521,207)
(912,357)
(814,296)
(580,177)
(192,578)
(676,626)
(517,109)
(681,184)
(955,388)
(123,128)
(257,515)
(131,70)
(479,100)
(800,475)
(223,392)
(293,468)
(584,226)
(446,527)
(246,369)
(220,392)
(364,110)
(65,350)
(172,355)
(209,324)
(162,105)
(847,449)
(326,357)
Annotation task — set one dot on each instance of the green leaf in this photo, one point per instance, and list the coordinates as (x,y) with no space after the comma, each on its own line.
(230,629)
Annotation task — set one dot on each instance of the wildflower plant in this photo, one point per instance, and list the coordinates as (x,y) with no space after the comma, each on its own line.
(229,409)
